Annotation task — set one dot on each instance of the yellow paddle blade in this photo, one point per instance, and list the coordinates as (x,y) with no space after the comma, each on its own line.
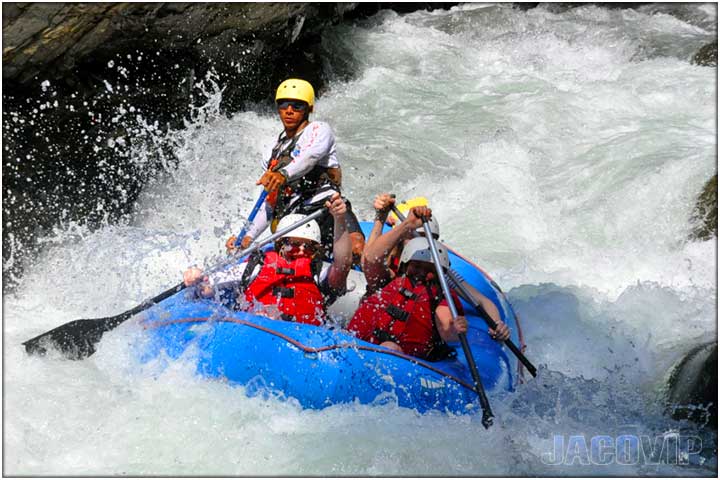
(405,206)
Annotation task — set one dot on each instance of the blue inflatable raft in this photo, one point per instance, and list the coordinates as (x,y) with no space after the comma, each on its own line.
(321,366)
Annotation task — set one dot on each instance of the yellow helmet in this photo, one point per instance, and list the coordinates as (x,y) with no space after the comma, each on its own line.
(296,89)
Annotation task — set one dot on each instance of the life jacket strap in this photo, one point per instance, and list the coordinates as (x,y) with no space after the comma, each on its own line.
(407,294)
(285,271)
(283,292)
(256,258)
(397,313)
(383,336)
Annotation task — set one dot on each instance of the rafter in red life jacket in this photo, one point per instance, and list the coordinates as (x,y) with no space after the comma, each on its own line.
(405,314)
(290,285)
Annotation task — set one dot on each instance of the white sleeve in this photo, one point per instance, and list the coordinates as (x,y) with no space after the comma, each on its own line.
(316,146)
(261,222)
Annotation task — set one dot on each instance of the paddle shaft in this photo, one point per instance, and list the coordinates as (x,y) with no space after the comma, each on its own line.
(487,419)
(77,339)
(254,246)
(469,297)
(465,293)
(251,218)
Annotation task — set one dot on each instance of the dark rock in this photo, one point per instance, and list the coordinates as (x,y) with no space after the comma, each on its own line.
(692,386)
(561,7)
(69,68)
(524,6)
(705,214)
(58,167)
(707,55)
(53,38)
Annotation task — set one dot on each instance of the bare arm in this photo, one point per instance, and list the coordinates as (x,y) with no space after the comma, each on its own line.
(449,330)
(374,267)
(501,332)
(382,204)
(486,303)
(194,276)
(342,246)
(374,233)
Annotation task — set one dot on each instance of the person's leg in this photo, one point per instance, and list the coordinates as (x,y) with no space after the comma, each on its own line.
(392,346)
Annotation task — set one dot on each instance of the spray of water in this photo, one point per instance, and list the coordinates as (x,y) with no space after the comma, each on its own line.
(560,151)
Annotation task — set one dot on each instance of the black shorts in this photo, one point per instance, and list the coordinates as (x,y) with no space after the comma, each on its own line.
(327,225)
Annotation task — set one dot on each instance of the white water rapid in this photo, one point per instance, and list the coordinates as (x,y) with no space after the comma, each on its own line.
(562,152)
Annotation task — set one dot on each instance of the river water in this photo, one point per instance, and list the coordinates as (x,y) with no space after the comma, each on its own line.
(562,152)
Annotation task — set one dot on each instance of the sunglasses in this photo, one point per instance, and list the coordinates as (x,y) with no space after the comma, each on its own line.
(295,104)
(290,245)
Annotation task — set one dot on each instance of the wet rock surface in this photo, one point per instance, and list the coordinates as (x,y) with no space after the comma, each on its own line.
(85,83)
(692,386)
(707,55)
(705,214)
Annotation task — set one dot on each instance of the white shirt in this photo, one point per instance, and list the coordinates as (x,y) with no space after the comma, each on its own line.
(315,147)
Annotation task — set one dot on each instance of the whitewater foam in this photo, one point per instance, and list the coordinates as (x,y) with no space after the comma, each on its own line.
(560,151)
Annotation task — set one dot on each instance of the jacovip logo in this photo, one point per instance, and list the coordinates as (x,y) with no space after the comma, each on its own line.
(628,449)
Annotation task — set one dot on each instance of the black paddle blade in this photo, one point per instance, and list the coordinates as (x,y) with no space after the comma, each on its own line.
(487,419)
(75,340)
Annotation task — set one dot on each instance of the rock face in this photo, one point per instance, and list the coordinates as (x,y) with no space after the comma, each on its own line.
(71,42)
(68,41)
(71,69)
(55,38)
(705,214)
(692,387)
(85,82)
(707,55)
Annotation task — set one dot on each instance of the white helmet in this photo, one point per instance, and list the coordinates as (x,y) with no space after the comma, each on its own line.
(310,230)
(419,250)
(434,228)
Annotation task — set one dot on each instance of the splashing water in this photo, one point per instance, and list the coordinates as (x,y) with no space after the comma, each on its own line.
(560,151)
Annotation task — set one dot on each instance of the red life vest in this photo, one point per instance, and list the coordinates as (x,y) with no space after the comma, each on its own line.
(401,313)
(394,265)
(291,286)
